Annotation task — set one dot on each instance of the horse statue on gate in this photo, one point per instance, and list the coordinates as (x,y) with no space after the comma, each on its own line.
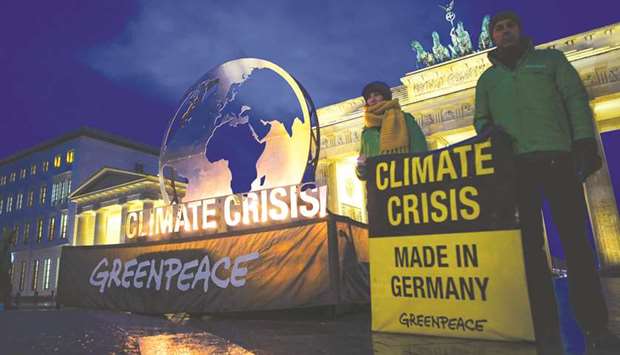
(423,56)
(485,41)
(440,52)
(461,41)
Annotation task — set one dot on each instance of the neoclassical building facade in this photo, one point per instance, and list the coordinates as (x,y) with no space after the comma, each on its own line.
(104,199)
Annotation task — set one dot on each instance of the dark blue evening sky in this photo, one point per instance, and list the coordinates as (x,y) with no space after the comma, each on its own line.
(122,66)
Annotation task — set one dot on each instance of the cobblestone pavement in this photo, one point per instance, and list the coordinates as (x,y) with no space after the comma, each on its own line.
(76,331)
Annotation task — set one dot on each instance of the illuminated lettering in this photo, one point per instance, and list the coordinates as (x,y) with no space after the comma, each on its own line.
(313,201)
(193,207)
(152,222)
(323,200)
(140,223)
(182,219)
(293,200)
(131,226)
(231,217)
(264,210)
(163,220)
(208,211)
(250,205)
(269,205)
(281,208)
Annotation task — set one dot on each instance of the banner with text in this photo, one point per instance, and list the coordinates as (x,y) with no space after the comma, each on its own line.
(445,247)
(270,269)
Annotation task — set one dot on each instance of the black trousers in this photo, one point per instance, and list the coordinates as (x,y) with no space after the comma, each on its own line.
(552,175)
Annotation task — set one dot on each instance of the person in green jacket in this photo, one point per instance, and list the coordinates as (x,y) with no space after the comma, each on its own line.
(387,129)
(536,98)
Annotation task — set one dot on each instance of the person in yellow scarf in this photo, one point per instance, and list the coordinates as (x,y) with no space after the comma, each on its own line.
(387,129)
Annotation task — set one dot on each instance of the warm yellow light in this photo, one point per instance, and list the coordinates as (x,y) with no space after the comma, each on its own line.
(350,188)
(57,161)
(188,344)
(444,139)
(233,211)
(113,228)
(70,156)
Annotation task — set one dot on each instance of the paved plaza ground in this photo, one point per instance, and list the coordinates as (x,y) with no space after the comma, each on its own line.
(39,330)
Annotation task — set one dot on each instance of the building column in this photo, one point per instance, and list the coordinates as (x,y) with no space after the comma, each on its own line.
(333,204)
(85,232)
(603,212)
(100,227)
(123,236)
(78,238)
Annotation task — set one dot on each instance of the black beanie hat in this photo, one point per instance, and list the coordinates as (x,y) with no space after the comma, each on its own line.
(504,15)
(377,86)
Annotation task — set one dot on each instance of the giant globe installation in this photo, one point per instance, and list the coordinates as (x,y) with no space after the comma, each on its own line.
(245,125)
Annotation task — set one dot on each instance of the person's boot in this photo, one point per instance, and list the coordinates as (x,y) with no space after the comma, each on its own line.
(602,342)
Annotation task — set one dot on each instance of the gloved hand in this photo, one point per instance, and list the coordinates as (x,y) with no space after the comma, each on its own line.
(501,138)
(360,168)
(585,155)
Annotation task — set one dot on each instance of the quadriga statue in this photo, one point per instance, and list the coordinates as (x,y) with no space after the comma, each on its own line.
(485,41)
(461,42)
(423,56)
(440,52)
(464,39)
(455,48)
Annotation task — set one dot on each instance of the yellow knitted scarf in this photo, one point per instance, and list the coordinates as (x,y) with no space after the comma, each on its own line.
(394,136)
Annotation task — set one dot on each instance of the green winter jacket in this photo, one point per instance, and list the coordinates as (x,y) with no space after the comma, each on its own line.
(371,135)
(542,104)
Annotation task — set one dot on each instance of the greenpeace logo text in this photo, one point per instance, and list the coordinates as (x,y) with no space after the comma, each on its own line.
(170,273)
